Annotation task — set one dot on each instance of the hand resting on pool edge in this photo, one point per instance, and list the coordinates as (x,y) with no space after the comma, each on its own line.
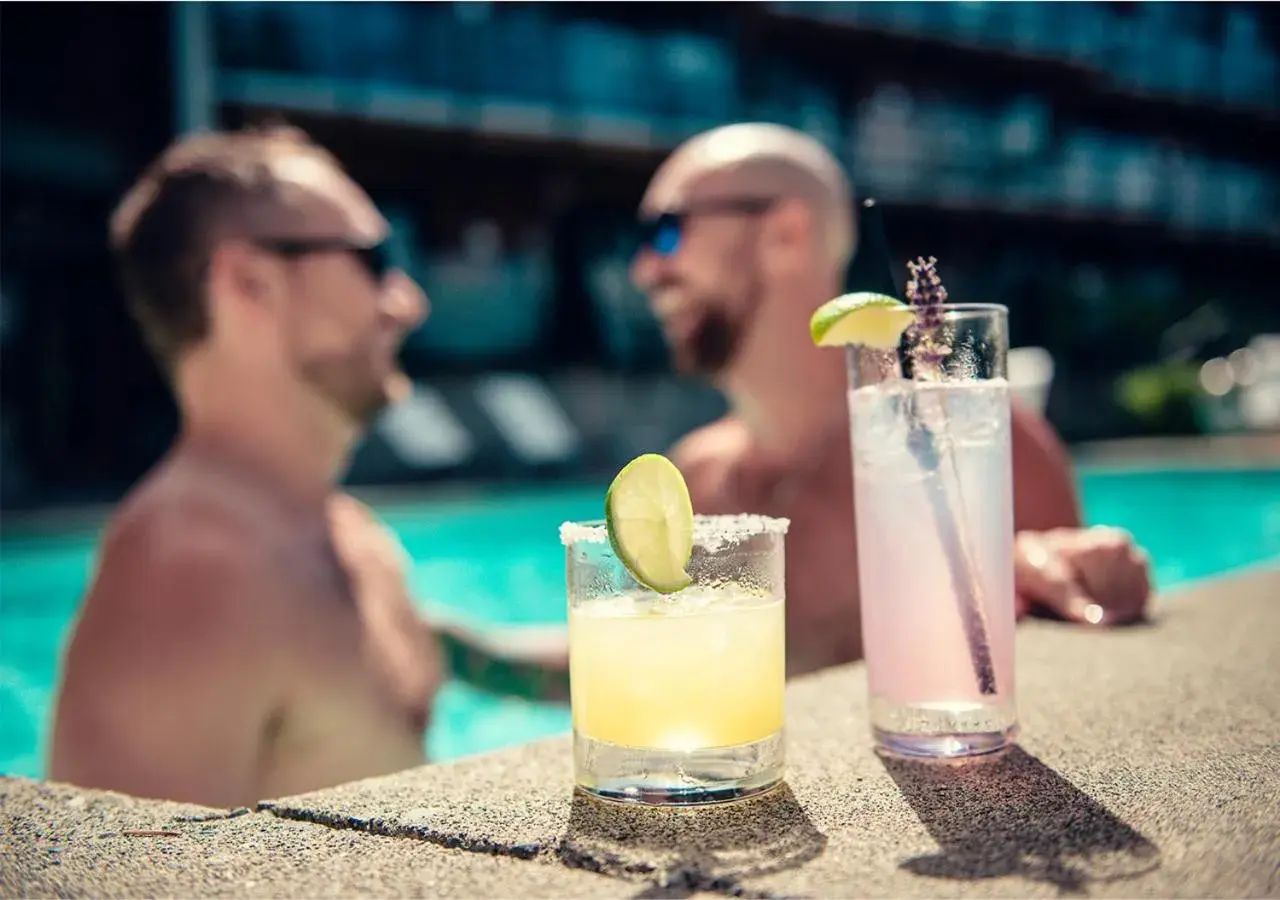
(1090,576)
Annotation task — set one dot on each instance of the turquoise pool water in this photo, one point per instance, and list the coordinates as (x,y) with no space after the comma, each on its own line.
(497,559)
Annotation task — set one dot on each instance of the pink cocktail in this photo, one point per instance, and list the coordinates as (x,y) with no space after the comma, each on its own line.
(933,492)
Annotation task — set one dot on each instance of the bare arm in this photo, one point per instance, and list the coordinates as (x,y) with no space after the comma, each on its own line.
(1091,576)
(1044,491)
(702,457)
(166,692)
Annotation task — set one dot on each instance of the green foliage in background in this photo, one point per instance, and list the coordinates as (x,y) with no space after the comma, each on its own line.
(1160,395)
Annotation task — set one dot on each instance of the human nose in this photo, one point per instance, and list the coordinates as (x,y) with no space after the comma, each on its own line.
(643,271)
(405,301)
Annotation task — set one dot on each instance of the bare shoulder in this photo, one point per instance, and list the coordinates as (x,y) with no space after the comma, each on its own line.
(348,515)
(166,539)
(181,570)
(171,669)
(1029,425)
(1044,484)
(706,457)
(363,540)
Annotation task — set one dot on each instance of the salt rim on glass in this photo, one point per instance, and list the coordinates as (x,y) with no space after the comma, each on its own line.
(710,533)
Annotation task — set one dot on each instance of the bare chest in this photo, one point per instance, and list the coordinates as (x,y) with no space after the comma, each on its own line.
(822,564)
(823,618)
(364,670)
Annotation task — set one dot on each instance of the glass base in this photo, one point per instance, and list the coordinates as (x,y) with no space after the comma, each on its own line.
(656,777)
(944,746)
(943,730)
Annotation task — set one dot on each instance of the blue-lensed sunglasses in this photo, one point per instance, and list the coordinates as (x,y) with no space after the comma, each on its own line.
(663,233)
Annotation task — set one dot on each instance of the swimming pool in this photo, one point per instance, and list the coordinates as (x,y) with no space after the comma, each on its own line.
(497,559)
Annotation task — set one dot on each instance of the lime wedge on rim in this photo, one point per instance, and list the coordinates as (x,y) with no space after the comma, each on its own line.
(649,517)
(874,320)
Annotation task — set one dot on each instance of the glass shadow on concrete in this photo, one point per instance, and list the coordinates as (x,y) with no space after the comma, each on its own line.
(684,851)
(1012,815)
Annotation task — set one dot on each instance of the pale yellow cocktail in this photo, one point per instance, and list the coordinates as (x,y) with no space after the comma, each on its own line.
(703,669)
(678,694)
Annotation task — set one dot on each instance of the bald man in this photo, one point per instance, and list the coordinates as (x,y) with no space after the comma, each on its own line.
(749,228)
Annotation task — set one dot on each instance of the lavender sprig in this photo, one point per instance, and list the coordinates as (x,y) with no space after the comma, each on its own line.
(925,292)
(928,352)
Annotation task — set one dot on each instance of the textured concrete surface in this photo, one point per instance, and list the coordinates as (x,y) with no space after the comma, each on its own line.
(59,842)
(1149,765)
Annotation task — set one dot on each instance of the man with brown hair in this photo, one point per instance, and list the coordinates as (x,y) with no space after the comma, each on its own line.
(750,229)
(248,633)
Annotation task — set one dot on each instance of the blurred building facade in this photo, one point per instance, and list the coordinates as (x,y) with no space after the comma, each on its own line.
(1109,171)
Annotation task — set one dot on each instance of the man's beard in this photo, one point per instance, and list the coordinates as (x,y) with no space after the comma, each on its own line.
(359,396)
(711,346)
(715,340)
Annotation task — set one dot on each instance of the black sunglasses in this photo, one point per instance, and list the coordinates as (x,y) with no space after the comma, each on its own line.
(375,258)
(662,233)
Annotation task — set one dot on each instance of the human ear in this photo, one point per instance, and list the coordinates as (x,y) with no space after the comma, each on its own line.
(788,231)
(241,270)
(244,283)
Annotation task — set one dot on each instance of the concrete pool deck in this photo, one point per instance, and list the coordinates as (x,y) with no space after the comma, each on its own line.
(1146,761)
